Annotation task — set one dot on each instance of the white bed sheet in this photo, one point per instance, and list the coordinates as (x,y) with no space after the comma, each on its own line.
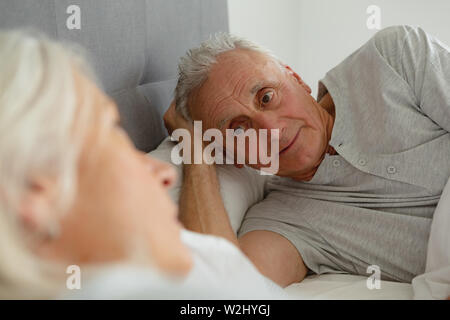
(347,287)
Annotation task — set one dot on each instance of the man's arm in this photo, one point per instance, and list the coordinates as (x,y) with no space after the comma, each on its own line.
(202,210)
(201,207)
(424,64)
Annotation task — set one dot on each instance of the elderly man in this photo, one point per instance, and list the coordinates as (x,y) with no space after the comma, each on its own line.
(361,169)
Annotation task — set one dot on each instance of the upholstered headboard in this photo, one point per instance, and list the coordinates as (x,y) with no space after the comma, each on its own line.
(133,45)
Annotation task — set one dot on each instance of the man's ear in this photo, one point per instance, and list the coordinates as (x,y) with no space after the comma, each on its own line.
(299,79)
(36,208)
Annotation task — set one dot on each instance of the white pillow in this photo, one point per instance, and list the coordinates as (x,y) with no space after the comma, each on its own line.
(240,188)
(435,282)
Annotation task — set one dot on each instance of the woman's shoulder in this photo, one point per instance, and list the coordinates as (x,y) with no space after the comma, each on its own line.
(223,267)
(125,281)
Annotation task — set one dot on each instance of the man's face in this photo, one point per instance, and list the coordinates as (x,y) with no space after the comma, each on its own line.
(246,89)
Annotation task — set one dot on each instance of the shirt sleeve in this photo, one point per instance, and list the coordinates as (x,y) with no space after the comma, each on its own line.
(424,63)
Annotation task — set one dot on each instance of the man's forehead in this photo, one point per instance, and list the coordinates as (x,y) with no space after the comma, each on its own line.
(239,76)
(240,61)
(236,77)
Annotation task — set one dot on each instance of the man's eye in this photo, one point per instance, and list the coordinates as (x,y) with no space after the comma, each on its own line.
(239,130)
(267,97)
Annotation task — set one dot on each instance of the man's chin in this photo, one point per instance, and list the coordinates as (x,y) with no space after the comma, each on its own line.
(296,174)
(305,176)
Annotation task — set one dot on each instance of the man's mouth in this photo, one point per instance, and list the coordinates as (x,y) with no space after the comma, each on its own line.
(291,143)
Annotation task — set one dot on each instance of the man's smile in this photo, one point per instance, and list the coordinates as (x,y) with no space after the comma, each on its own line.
(288,147)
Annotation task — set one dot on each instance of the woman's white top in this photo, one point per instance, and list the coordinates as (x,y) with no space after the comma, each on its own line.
(220,271)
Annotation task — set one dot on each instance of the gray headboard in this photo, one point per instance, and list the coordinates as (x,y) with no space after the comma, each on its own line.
(133,45)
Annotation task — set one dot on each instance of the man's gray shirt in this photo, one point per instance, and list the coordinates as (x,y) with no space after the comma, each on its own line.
(372,204)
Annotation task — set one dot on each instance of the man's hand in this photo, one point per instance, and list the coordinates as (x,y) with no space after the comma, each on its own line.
(173,120)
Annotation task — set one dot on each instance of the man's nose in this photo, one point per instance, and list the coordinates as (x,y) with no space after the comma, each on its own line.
(164,172)
(268,120)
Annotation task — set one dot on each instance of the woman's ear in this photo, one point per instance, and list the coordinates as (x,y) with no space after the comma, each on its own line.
(37,206)
(299,79)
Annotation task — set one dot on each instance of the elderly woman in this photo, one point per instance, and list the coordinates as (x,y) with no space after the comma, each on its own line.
(75,191)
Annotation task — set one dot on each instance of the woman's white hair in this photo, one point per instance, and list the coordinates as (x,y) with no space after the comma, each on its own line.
(194,67)
(40,134)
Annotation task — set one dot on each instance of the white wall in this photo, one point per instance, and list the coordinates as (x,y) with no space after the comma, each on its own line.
(315,35)
(270,23)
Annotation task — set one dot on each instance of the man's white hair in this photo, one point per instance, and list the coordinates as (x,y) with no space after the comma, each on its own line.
(41,124)
(194,67)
